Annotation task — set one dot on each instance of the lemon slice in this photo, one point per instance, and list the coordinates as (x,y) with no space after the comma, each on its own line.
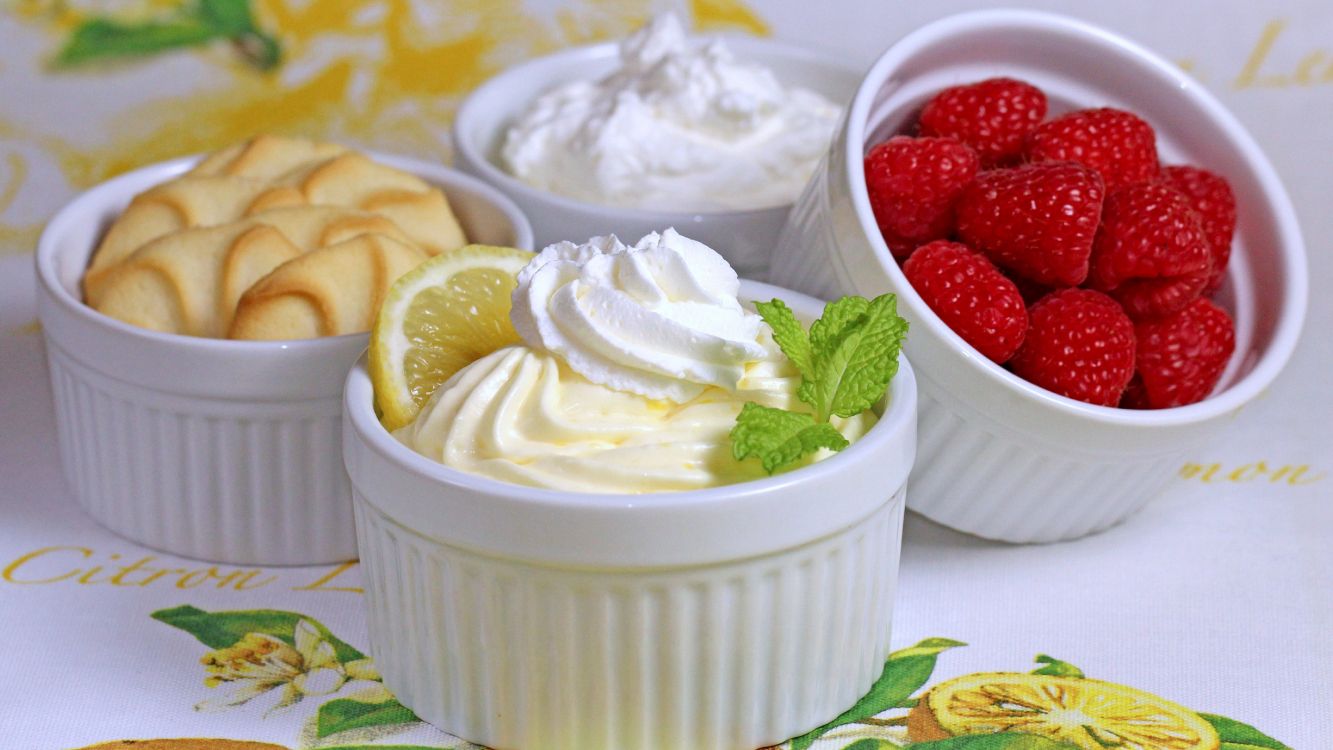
(1089,714)
(438,318)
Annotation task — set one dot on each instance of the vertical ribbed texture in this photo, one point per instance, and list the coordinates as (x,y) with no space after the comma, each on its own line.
(718,657)
(804,256)
(1001,488)
(243,490)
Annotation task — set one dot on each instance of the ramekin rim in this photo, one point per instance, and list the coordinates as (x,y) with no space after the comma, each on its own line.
(1293,306)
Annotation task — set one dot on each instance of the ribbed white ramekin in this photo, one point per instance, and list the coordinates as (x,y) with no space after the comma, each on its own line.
(732,617)
(1000,457)
(219,450)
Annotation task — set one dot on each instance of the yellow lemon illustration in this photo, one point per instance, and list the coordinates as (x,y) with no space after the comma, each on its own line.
(438,318)
(1089,714)
(192,743)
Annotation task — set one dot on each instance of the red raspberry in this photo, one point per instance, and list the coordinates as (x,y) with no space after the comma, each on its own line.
(1211,198)
(913,185)
(1079,344)
(1180,357)
(971,296)
(991,116)
(1037,221)
(1031,290)
(1135,396)
(1118,144)
(1150,252)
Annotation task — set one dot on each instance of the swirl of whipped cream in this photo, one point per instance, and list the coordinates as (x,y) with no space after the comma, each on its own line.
(660,319)
(524,417)
(681,125)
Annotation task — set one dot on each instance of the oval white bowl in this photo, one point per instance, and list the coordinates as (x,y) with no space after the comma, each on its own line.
(730,617)
(220,450)
(1000,457)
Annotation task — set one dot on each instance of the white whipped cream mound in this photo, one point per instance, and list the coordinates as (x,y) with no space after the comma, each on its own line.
(659,319)
(681,126)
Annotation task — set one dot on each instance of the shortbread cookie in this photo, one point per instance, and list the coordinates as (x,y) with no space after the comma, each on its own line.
(327,292)
(189,282)
(349,179)
(266,157)
(183,203)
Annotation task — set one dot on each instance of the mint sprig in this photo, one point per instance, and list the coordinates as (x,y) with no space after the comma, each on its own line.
(846,362)
(778,437)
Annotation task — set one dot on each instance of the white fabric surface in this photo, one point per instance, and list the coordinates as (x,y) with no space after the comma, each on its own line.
(1218,596)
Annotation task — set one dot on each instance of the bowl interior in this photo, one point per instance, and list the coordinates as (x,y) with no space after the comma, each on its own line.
(1080,66)
(486,117)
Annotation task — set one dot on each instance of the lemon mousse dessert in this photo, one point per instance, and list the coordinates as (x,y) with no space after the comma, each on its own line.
(625,369)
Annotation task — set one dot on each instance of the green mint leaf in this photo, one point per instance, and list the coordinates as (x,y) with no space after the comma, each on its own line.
(855,356)
(778,437)
(788,334)
(839,315)
(874,359)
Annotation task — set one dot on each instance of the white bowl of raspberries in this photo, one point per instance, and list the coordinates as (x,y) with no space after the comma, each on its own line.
(1099,264)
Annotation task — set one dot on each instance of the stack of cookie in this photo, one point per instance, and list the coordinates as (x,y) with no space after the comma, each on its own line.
(276,238)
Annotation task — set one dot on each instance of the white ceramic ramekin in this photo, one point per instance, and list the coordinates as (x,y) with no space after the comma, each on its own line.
(219,450)
(718,619)
(745,238)
(999,457)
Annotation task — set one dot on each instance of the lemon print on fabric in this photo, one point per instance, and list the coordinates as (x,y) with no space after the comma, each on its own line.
(1082,712)
(438,318)
(1054,707)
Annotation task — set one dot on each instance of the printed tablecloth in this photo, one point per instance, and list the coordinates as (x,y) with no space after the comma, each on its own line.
(1218,597)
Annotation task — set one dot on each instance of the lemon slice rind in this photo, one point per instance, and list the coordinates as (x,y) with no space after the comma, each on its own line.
(390,343)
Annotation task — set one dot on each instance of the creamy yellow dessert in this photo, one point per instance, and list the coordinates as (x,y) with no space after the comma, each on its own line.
(635,362)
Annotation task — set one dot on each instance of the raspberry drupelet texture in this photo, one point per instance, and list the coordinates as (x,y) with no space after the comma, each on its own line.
(971,296)
(1079,344)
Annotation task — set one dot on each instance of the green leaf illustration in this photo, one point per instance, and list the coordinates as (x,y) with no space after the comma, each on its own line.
(229,16)
(223,629)
(871,743)
(195,24)
(343,714)
(1237,735)
(904,673)
(1056,667)
(100,38)
(1006,741)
